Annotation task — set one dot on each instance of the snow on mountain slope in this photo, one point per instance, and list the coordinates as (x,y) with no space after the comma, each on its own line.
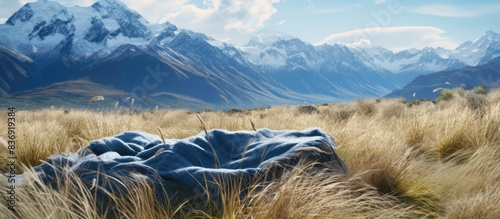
(39,26)
(276,52)
(114,46)
(46,26)
(480,51)
(280,51)
(46,30)
(284,52)
(330,70)
(108,24)
(423,86)
(74,42)
(261,50)
(422,61)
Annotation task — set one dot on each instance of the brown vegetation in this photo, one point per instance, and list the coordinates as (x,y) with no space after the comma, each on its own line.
(436,160)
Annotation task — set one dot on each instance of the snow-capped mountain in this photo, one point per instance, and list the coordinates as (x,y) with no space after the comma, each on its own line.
(326,69)
(276,52)
(407,61)
(408,64)
(425,86)
(480,51)
(45,30)
(114,46)
(111,45)
(482,57)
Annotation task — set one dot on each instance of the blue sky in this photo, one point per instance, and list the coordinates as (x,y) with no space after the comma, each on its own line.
(395,24)
(442,23)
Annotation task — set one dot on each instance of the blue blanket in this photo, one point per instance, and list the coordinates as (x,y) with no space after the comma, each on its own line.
(189,167)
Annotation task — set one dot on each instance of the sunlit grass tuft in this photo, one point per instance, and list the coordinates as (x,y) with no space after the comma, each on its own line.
(405,161)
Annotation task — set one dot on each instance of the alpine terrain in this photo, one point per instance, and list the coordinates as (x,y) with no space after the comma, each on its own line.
(51,54)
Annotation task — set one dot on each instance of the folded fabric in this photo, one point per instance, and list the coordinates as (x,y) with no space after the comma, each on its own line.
(189,168)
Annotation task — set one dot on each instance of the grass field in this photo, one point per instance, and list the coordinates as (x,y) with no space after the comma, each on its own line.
(406,160)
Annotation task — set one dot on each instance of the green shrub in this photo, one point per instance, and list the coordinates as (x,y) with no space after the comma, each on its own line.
(446,94)
(481,89)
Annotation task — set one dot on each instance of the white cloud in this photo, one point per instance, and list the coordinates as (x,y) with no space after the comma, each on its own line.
(155,10)
(64,2)
(240,15)
(310,5)
(380,1)
(8,7)
(221,19)
(281,23)
(394,38)
(152,10)
(217,18)
(363,43)
(455,11)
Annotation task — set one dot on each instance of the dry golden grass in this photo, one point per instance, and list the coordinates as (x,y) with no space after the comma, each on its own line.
(435,160)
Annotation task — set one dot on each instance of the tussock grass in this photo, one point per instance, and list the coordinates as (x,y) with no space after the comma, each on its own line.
(322,195)
(434,160)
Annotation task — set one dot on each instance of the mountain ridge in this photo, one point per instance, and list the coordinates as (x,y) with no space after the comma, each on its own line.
(424,86)
(96,42)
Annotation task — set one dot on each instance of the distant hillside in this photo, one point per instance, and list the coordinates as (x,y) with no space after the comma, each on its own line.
(422,87)
(45,44)
(68,93)
(17,71)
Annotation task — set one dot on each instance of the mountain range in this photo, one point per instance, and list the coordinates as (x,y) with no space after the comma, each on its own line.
(426,86)
(46,49)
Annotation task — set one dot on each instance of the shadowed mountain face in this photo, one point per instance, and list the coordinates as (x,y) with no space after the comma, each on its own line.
(114,47)
(18,72)
(422,87)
